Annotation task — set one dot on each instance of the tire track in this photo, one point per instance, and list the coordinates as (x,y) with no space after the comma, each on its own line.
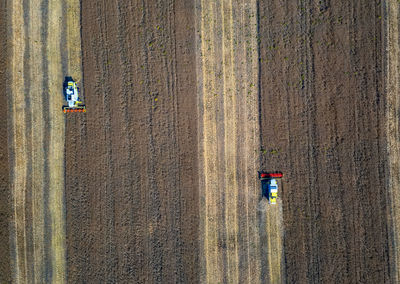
(30,144)
(309,94)
(225,247)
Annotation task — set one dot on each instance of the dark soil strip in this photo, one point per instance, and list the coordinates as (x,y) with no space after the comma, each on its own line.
(28,134)
(131,160)
(5,190)
(322,125)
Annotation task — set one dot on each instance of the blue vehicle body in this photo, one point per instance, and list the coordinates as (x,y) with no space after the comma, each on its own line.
(270,190)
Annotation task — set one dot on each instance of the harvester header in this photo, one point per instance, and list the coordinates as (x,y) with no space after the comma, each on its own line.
(264,175)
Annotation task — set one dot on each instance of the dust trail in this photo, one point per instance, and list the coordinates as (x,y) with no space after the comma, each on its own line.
(392,129)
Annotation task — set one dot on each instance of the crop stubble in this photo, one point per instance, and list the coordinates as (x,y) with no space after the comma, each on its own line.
(18,148)
(37,141)
(234,219)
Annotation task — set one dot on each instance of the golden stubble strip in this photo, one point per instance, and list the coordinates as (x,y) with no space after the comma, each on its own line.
(392,129)
(74,39)
(252,141)
(36,112)
(19,143)
(230,120)
(214,267)
(246,64)
(56,144)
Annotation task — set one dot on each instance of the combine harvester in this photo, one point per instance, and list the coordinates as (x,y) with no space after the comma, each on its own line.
(71,93)
(269,185)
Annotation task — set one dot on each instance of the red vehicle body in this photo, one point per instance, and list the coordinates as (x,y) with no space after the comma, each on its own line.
(270,175)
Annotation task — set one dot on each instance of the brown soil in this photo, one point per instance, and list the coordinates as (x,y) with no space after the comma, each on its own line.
(323,112)
(5,200)
(131,160)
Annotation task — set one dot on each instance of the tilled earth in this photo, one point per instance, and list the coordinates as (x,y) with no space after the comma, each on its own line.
(323,125)
(131,160)
(132,166)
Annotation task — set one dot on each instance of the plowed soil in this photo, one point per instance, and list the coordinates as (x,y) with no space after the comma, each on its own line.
(323,125)
(131,160)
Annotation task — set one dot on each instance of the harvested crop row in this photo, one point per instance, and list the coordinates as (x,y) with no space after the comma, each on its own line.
(237,245)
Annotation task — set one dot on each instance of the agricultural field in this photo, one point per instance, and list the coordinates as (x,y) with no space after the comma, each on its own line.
(186,102)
